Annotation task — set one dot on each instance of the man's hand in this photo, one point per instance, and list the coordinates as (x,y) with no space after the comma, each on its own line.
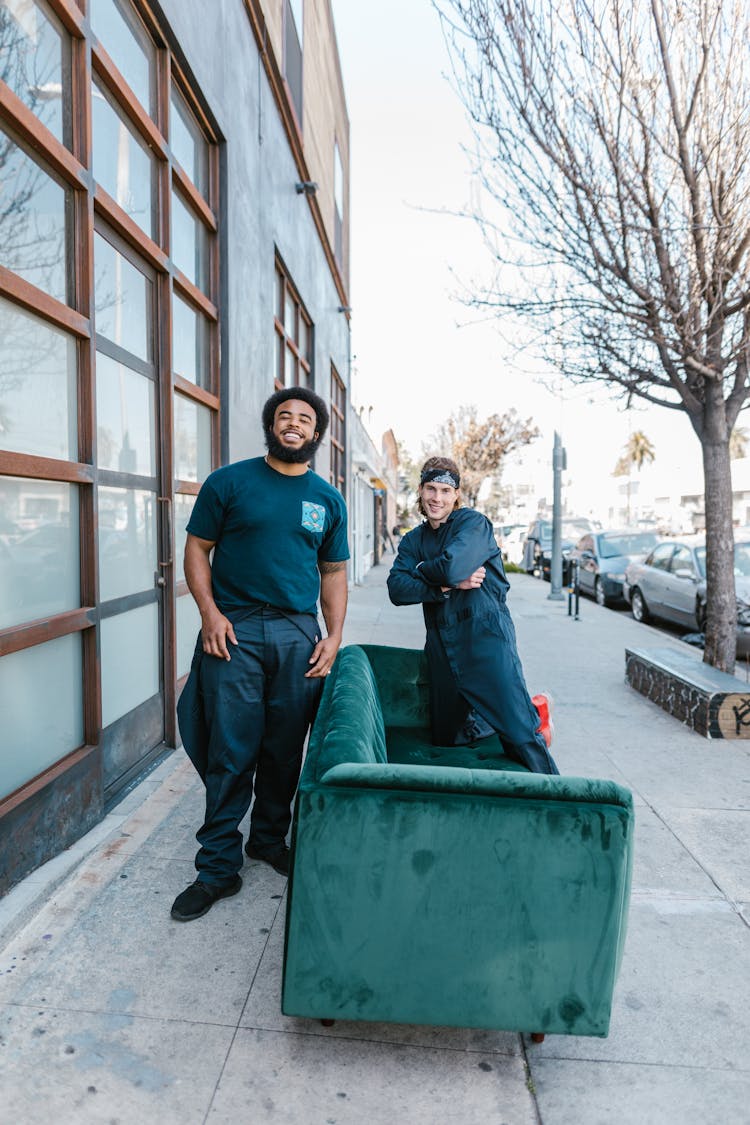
(323,657)
(474,581)
(216,630)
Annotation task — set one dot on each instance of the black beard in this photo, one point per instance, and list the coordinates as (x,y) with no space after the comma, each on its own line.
(281,452)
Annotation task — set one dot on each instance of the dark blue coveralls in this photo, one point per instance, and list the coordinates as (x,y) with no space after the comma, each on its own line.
(471,642)
(244,719)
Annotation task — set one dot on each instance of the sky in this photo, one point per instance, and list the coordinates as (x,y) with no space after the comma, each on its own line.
(418,351)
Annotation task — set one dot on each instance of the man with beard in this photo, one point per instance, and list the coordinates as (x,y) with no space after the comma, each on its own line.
(278,533)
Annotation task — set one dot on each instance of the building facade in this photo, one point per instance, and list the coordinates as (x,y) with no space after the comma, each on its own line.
(173,247)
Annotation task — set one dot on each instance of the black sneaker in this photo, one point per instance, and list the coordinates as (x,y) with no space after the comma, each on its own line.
(197,899)
(278,858)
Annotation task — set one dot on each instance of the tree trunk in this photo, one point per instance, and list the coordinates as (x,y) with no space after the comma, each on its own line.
(721,619)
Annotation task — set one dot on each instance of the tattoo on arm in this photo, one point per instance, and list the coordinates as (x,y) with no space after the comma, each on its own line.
(330,567)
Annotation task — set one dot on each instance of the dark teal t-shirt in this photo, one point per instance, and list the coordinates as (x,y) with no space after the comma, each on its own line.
(270,531)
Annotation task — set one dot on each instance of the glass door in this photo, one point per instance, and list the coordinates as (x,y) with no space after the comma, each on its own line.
(132,513)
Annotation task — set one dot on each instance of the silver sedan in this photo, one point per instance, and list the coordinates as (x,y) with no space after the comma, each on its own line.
(670,584)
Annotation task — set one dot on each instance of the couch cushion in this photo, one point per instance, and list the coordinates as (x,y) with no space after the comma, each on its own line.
(403,682)
(412,746)
(349,725)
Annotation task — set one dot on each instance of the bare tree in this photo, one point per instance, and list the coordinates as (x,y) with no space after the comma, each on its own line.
(478,448)
(615,138)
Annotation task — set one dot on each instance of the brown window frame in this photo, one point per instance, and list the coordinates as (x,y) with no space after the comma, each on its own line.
(285,289)
(338,432)
(92,208)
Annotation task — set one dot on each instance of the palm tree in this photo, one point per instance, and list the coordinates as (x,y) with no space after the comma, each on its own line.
(638,452)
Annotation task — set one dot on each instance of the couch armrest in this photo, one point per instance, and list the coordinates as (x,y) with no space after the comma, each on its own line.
(495,783)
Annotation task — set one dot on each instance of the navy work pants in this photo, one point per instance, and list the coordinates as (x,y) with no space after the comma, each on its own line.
(475,666)
(257,709)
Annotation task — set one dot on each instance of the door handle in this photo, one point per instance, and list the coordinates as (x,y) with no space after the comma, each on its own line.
(166,531)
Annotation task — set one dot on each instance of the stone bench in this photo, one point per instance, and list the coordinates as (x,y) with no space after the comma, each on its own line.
(712,703)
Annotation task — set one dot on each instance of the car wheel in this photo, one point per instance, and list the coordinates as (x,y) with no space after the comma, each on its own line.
(601,597)
(700,614)
(638,606)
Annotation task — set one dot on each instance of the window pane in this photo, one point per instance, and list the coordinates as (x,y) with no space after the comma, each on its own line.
(189,343)
(189,243)
(304,339)
(130,661)
(38,396)
(127,541)
(39,550)
(280,349)
(33,226)
(35,737)
(126,418)
(122,298)
(32,61)
(290,321)
(292,369)
(188,627)
(183,506)
(192,438)
(188,143)
(126,44)
(121,164)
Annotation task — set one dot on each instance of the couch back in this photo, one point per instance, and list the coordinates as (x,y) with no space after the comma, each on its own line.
(349,724)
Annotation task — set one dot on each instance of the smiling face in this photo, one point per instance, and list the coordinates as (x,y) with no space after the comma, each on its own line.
(438,501)
(293,437)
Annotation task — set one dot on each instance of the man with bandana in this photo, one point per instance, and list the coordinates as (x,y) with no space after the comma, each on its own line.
(278,535)
(452,564)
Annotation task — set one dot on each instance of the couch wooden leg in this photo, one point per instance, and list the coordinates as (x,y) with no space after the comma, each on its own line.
(537,1037)
(330,1023)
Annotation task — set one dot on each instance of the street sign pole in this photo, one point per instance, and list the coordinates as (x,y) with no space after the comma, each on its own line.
(555,576)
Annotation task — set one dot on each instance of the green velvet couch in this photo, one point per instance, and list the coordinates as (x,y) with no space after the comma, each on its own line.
(447,885)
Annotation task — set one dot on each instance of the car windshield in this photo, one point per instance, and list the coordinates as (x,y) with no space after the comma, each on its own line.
(639,543)
(570,529)
(741,560)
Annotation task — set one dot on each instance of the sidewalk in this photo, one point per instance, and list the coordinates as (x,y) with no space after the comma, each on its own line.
(111,1012)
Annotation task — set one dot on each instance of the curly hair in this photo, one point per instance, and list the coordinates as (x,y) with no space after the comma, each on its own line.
(302,394)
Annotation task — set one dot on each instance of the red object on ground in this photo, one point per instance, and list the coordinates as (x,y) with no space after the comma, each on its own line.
(543,704)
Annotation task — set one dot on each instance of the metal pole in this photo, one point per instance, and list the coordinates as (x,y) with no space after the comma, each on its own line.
(555,575)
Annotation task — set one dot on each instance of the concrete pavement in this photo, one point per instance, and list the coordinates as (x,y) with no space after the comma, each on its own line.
(111,1012)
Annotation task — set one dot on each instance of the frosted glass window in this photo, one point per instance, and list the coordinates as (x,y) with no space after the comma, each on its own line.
(34,736)
(188,627)
(34,61)
(130,661)
(183,508)
(189,243)
(123,300)
(192,439)
(126,417)
(121,163)
(39,550)
(187,142)
(127,541)
(33,221)
(189,343)
(38,394)
(126,43)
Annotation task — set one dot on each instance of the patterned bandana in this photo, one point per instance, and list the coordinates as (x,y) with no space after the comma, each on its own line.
(440,476)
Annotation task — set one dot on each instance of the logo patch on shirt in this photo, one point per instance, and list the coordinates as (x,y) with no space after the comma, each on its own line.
(313,516)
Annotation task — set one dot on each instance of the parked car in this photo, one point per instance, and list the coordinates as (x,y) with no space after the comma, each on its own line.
(670,584)
(537,551)
(602,557)
(511,538)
